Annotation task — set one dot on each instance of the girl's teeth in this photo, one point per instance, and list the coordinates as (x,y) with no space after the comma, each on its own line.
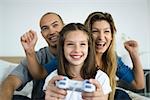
(76,56)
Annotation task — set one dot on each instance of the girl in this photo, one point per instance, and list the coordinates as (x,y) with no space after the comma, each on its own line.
(76,60)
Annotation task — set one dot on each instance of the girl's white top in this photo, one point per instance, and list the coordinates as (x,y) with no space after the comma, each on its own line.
(102,78)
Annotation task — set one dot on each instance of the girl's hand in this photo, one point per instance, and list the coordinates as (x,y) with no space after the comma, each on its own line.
(54,93)
(97,95)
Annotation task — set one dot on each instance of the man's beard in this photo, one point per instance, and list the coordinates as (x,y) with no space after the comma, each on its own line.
(54,46)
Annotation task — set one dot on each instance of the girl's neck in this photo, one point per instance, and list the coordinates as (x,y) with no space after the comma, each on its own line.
(75,70)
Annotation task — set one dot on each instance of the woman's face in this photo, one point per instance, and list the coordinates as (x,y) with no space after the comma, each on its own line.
(76,47)
(102,35)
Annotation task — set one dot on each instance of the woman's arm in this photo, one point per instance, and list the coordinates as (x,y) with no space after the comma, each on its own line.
(132,47)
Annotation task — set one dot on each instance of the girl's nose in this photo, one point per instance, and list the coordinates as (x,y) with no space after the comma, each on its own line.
(77,48)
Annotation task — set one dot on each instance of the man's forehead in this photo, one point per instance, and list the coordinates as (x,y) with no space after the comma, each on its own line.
(50,19)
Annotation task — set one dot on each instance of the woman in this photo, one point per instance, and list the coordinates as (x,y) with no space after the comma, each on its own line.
(102,26)
(103,30)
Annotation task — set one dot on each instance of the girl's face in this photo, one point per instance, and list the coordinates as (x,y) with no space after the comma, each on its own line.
(76,47)
(102,35)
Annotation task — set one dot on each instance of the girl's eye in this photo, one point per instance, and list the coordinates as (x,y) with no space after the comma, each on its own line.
(69,44)
(83,44)
(107,31)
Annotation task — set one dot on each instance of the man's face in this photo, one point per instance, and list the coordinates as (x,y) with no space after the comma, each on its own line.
(51,25)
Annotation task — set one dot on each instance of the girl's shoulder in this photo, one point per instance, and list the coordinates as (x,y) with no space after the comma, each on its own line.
(48,78)
(52,74)
(104,81)
(100,75)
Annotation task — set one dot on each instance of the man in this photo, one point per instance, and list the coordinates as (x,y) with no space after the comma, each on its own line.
(50,24)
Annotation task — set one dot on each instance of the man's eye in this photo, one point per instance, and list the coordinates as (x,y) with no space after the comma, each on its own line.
(55,25)
(44,28)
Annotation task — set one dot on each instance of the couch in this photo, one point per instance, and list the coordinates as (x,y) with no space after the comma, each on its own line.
(7,64)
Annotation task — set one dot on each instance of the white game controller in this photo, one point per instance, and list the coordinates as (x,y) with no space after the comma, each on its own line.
(75,85)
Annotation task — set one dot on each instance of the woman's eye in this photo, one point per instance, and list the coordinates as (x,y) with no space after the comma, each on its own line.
(94,31)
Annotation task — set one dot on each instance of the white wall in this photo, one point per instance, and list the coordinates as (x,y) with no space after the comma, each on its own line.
(132,19)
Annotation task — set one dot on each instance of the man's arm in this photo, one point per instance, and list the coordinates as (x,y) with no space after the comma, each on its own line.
(35,69)
(28,41)
(8,86)
(138,82)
